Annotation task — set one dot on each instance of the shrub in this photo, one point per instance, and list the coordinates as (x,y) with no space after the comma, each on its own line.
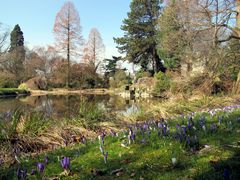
(7,80)
(163,82)
(120,78)
(141,74)
(23,86)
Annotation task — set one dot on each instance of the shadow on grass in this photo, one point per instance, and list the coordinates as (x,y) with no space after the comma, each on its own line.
(231,165)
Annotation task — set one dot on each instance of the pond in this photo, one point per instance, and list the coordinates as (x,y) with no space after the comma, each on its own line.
(67,106)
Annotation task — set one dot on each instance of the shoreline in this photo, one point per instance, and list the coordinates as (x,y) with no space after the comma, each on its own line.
(13,92)
(65,92)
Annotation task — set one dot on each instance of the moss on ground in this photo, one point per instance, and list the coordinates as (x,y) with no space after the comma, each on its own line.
(13,92)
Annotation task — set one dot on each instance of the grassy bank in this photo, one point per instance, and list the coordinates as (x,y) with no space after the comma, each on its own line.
(13,92)
(198,146)
(62,91)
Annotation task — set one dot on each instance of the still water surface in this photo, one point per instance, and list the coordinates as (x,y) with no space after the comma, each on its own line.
(67,106)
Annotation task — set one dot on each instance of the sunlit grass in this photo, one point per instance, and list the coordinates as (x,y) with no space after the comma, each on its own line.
(13,92)
(151,160)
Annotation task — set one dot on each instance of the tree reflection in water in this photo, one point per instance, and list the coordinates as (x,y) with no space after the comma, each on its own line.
(67,106)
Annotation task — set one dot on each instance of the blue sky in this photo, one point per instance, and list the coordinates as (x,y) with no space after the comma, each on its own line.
(36,19)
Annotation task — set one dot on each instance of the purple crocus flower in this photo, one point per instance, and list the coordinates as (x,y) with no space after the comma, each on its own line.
(34,171)
(213,128)
(219,120)
(145,126)
(101,138)
(226,174)
(46,160)
(202,121)
(181,137)
(160,125)
(24,174)
(83,140)
(165,130)
(65,163)
(190,122)
(143,141)
(184,128)
(130,131)
(188,141)
(19,173)
(40,167)
(113,133)
(175,136)
(149,134)
(178,127)
(101,149)
(133,137)
(129,139)
(106,157)
(65,142)
(189,125)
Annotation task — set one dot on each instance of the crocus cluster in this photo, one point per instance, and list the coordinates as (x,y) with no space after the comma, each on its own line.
(40,167)
(101,146)
(21,174)
(65,163)
(186,131)
(101,138)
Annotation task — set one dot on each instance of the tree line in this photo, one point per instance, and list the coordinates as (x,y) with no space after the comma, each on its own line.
(184,36)
(57,65)
(159,36)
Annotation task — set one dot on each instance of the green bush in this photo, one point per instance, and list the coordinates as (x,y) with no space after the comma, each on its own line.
(120,79)
(141,74)
(163,82)
(7,80)
(23,86)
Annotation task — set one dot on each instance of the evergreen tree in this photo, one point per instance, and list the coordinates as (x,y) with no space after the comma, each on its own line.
(170,37)
(111,66)
(17,39)
(139,41)
(16,58)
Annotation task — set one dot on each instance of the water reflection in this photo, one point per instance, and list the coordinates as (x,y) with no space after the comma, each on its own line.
(67,106)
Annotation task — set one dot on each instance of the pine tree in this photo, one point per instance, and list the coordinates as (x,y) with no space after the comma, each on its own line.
(111,66)
(170,37)
(140,29)
(17,39)
(15,64)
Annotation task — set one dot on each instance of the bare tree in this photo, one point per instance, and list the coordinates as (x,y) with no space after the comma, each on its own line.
(206,25)
(94,49)
(67,32)
(86,55)
(3,41)
(238,16)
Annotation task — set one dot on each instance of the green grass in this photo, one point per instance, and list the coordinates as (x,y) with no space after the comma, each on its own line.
(13,92)
(151,160)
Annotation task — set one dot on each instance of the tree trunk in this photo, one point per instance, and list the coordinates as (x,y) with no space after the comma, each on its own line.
(68,52)
(157,63)
(68,66)
(236,87)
